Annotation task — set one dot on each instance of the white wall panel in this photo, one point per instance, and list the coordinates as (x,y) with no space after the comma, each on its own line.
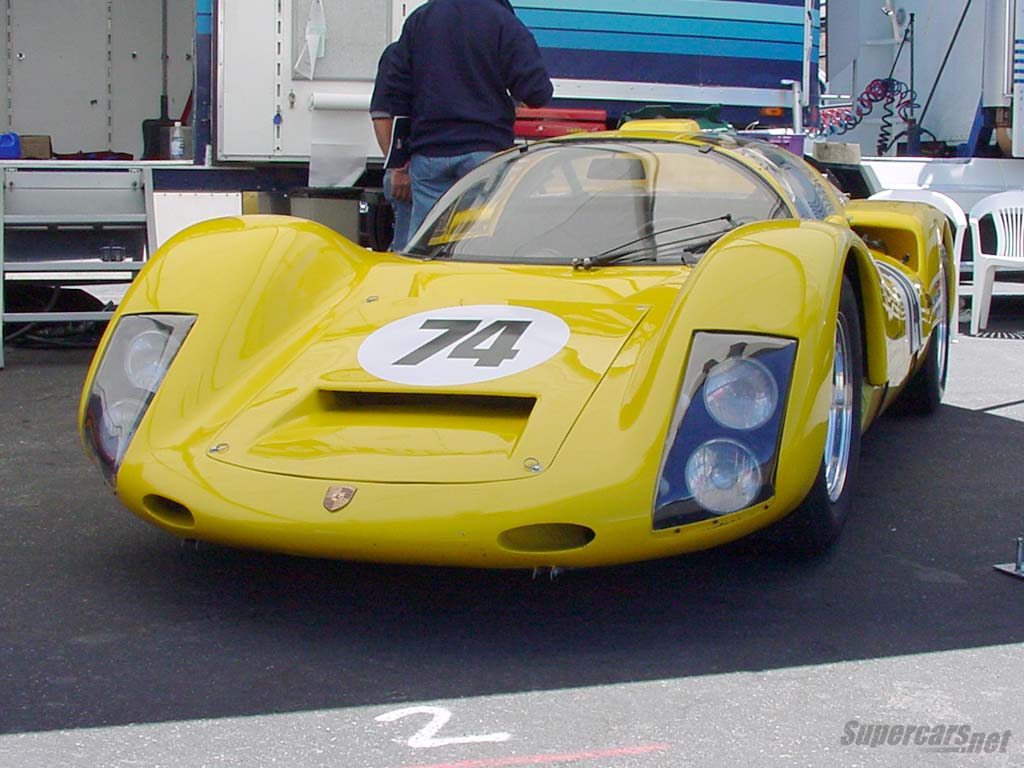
(248,58)
(61,82)
(59,72)
(181,46)
(5,71)
(135,70)
(357,31)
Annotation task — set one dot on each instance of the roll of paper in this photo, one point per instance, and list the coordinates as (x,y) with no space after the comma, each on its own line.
(354,101)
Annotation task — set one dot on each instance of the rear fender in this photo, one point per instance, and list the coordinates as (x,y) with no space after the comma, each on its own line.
(917,236)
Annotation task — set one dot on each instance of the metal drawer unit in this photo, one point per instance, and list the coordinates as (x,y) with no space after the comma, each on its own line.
(72,226)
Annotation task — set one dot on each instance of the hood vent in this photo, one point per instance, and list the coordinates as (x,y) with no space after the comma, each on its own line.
(396,436)
(432,406)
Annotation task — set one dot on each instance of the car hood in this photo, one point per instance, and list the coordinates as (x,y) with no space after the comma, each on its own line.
(443,373)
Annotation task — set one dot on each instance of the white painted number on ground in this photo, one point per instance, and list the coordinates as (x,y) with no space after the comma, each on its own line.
(462,345)
(427,737)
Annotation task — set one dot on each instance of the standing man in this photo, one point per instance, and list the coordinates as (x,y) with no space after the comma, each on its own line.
(397,189)
(460,66)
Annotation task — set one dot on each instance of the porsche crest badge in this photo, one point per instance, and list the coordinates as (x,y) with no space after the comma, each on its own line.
(338,497)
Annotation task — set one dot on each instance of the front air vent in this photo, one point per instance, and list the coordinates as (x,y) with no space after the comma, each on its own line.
(433,405)
(546,537)
(168,511)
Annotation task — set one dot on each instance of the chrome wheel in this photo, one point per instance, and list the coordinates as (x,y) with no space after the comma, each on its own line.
(941,330)
(815,524)
(840,416)
(922,395)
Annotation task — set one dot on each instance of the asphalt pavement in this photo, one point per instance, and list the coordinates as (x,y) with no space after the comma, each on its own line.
(119,649)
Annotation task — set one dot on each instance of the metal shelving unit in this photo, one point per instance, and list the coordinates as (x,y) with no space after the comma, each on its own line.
(68,225)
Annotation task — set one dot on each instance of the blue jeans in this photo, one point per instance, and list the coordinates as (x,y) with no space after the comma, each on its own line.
(431,177)
(403,211)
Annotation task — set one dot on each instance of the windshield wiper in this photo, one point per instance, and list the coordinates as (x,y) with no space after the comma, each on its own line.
(623,251)
(694,247)
(443,250)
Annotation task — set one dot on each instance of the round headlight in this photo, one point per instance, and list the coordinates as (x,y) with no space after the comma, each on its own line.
(723,476)
(146,359)
(740,393)
(118,424)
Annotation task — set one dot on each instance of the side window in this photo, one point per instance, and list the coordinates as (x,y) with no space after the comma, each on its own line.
(808,191)
(818,195)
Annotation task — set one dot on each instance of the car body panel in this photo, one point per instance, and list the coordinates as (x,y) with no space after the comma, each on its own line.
(269,408)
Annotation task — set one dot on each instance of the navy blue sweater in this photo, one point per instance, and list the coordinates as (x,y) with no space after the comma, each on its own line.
(453,70)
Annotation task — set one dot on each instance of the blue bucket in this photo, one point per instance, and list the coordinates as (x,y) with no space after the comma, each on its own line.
(10,146)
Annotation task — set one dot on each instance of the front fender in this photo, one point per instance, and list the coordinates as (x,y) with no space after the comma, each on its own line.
(783,279)
(258,285)
(780,279)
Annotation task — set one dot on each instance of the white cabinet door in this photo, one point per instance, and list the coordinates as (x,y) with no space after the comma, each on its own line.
(248,60)
(58,80)
(135,71)
(265,104)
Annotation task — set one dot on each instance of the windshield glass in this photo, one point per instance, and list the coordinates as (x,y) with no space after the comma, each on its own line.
(637,201)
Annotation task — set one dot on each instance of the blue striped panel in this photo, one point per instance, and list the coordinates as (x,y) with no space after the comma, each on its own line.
(709,71)
(777,13)
(714,43)
(204,17)
(609,41)
(661,25)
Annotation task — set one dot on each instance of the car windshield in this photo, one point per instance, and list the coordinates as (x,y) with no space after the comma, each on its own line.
(596,202)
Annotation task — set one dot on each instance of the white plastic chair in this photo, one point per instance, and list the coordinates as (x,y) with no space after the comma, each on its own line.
(952,210)
(1007,212)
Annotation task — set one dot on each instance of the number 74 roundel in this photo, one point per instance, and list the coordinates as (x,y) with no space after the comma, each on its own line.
(462,345)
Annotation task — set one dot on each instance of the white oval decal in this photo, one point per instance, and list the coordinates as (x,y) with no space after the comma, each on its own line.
(462,345)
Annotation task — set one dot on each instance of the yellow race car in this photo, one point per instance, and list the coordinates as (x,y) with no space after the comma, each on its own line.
(597,349)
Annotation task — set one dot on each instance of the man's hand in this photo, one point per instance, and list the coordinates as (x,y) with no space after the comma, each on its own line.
(401,186)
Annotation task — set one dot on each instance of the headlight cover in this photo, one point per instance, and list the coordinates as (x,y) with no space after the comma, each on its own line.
(722,445)
(723,476)
(135,362)
(740,393)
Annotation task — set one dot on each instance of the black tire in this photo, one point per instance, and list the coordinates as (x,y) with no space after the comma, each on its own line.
(923,393)
(813,527)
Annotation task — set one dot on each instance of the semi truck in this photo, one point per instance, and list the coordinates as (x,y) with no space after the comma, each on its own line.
(269,100)
(289,81)
(930,92)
